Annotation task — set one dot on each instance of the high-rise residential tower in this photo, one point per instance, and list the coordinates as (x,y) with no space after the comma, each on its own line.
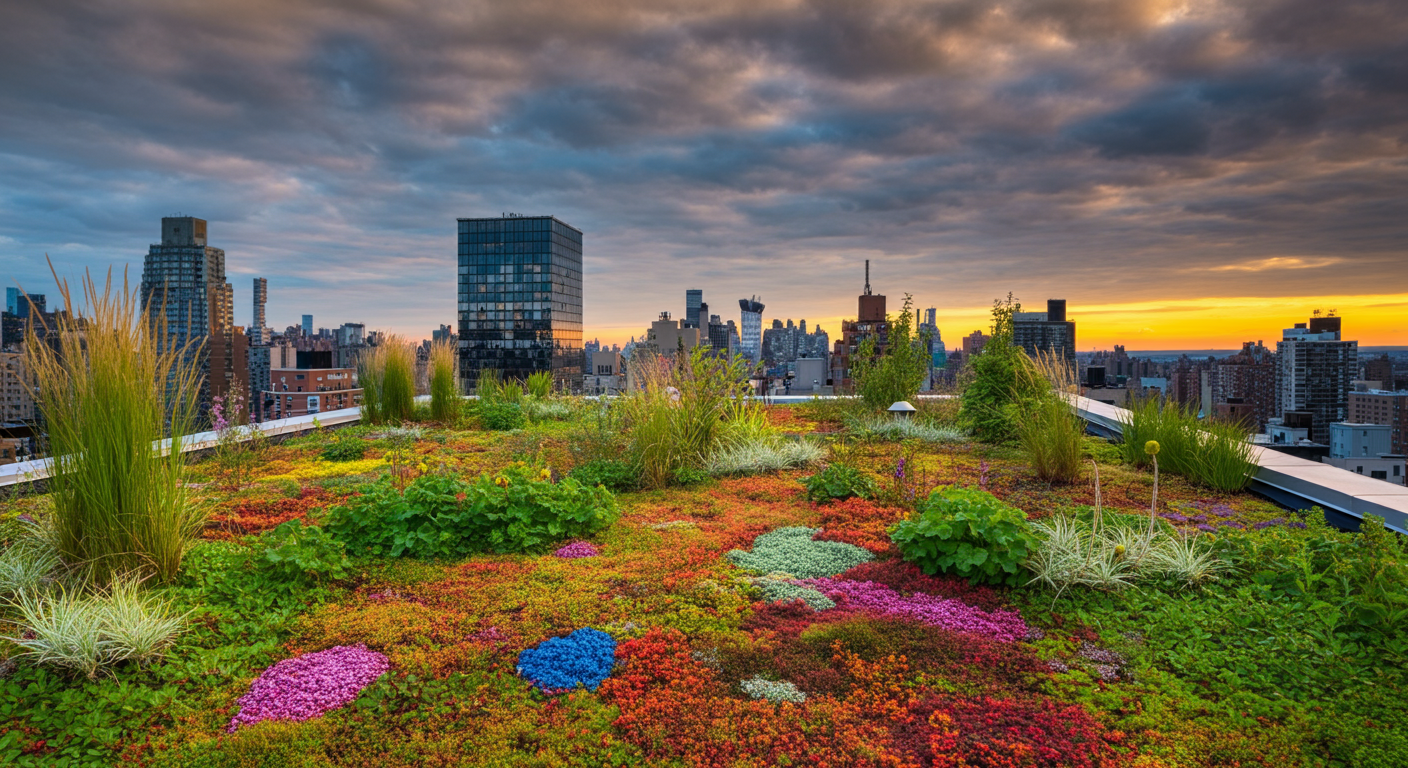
(693,299)
(520,298)
(752,328)
(1315,368)
(308,325)
(256,323)
(1046,332)
(184,277)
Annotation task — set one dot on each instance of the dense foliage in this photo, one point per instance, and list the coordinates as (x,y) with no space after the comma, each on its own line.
(840,481)
(967,532)
(1003,383)
(888,374)
(516,510)
(615,474)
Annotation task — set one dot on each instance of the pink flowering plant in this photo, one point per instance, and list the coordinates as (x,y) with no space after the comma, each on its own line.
(945,613)
(308,686)
(577,550)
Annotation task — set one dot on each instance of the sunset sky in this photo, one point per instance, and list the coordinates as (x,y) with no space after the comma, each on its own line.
(1185,174)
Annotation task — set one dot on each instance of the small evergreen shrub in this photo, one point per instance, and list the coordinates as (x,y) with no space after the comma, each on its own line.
(793,551)
(499,415)
(840,481)
(518,510)
(616,475)
(966,532)
(1003,383)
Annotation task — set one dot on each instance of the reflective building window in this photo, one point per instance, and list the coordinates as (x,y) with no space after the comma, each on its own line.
(520,298)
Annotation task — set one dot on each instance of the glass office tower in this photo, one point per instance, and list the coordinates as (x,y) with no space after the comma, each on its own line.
(520,299)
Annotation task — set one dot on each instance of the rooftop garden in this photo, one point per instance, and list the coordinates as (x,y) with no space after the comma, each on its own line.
(686,577)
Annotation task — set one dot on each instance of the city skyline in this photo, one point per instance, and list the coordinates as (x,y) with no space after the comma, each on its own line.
(1185,175)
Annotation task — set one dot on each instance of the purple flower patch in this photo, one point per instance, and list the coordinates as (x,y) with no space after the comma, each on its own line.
(577,549)
(310,685)
(1174,517)
(1229,524)
(1296,524)
(1206,527)
(1264,524)
(953,615)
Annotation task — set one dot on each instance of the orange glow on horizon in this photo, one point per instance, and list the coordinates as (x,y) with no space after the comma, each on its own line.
(1210,323)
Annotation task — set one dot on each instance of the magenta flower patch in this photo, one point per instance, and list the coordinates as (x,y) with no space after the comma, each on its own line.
(310,685)
(577,549)
(945,613)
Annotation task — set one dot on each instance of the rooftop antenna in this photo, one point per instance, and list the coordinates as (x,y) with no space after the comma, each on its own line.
(867,277)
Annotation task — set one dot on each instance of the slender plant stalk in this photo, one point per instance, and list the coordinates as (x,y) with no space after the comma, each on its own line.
(111,388)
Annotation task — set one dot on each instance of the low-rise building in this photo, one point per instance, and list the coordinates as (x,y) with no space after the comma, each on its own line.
(1380,406)
(605,374)
(1364,449)
(312,386)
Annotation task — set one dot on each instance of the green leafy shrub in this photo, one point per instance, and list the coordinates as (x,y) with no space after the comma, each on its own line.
(966,532)
(687,476)
(298,552)
(1002,384)
(615,474)
(344,448)
(793,551)
(500,415)
(840,481)
(447,516)
(884,377)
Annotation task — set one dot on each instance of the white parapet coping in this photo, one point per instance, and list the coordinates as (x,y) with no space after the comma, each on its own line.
(1289,480)
(1293,481)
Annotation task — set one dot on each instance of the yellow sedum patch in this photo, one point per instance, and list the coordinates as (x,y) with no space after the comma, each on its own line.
(320,468)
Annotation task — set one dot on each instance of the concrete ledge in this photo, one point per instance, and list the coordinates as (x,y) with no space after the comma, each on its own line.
(1297,483)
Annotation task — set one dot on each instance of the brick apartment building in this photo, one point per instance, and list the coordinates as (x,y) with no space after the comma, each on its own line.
(312,386)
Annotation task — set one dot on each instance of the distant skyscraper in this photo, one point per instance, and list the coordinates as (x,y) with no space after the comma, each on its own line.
(693,299)
(18,303)
(1314,370)
(1049,332)
(870,321)
(307,325)
(257,324)
(752,334)
(520,298)
(185,277)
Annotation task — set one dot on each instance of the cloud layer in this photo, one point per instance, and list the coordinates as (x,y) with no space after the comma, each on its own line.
(1101,150)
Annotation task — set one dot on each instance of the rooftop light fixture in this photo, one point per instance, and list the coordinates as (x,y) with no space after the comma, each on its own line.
(902,410)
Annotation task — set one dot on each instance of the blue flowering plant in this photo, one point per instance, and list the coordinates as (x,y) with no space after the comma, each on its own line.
(583,658)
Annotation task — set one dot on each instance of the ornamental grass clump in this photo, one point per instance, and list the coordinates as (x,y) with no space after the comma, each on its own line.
(892,429)
(387,375)
(444,382)
(112,387)
(687,409)
(83,633)
(308,686)
(1049,431)
(583,658)
(793,551)
(768,454)
(966,532)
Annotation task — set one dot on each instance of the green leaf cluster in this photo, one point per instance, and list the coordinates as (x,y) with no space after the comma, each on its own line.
(1002,386)
(298,552)
(967,532)
(615,474)
(501,416)
(887,375)
(344,448)
(450,517)
(840,481)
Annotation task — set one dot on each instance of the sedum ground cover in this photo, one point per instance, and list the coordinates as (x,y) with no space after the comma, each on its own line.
(731,622)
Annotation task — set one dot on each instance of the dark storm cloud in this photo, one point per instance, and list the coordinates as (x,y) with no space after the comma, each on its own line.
(1099,149)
